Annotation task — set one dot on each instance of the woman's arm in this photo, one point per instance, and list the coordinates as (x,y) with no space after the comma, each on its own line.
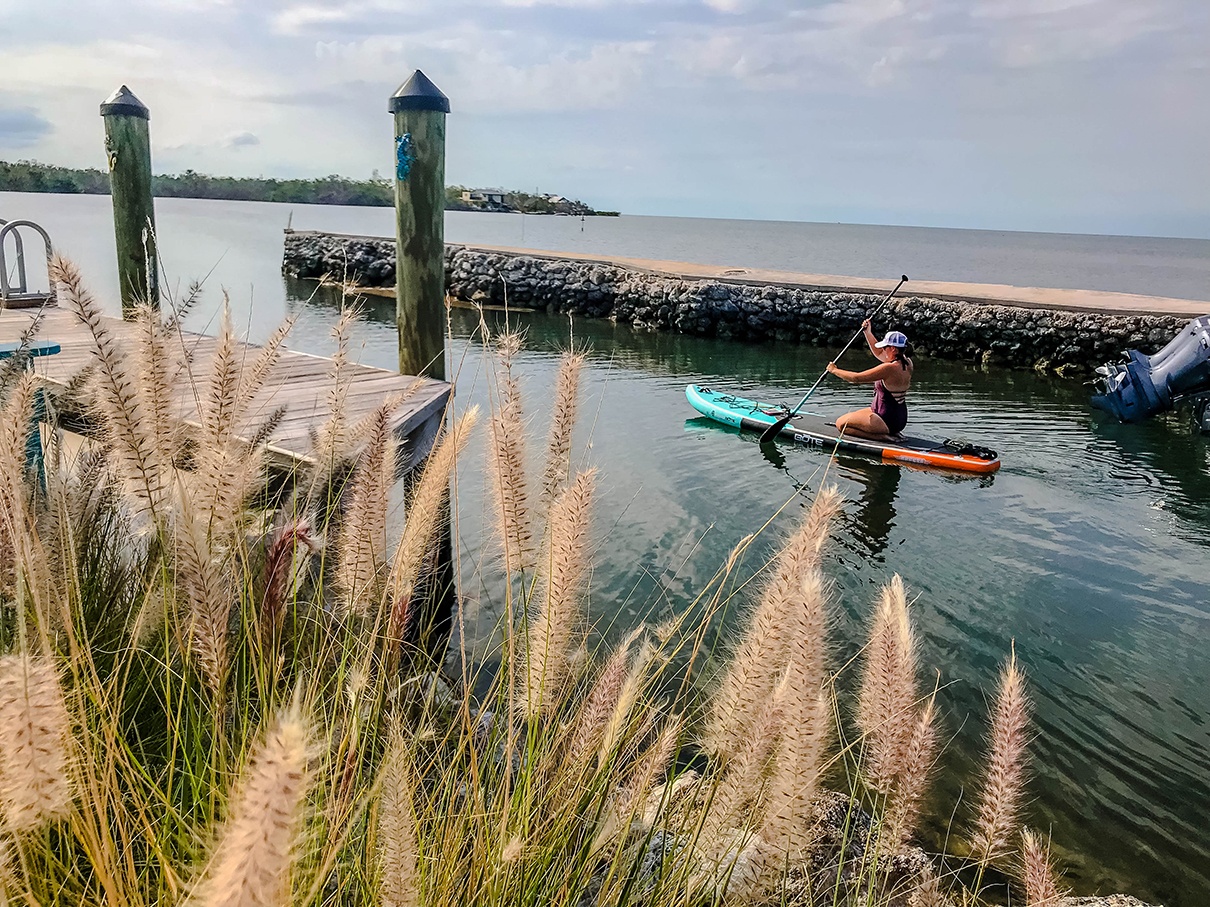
(869,376)
(870,339)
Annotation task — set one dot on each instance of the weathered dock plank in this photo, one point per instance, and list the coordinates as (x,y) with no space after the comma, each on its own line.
(300,382)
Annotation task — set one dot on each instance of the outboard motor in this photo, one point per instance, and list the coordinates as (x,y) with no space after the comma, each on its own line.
(1143,386)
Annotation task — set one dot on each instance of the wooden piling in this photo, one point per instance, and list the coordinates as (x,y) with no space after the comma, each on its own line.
(420,109)
(128,151)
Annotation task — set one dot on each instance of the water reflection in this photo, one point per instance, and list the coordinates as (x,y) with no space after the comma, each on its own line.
(874,517)
(1171,446)
(1088,549)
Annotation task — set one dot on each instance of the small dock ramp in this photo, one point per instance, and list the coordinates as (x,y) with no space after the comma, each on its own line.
(299,382)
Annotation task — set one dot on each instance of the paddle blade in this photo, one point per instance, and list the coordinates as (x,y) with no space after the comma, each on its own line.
(774,430)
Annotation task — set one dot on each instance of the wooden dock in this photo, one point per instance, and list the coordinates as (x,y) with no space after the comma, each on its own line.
(300,382)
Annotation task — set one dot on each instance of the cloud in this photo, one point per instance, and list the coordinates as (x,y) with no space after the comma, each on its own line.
(994,102)
(241,140)
(1028,33)
(22,127)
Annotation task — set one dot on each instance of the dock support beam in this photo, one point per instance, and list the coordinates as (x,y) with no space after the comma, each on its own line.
(128,151)
(420,109)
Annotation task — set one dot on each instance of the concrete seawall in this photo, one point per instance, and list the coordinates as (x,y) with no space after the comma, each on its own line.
(1069,331)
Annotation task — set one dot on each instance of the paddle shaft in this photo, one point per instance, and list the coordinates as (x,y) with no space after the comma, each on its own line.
(775,429)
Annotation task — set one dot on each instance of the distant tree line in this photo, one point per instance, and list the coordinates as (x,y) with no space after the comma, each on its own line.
(32,176)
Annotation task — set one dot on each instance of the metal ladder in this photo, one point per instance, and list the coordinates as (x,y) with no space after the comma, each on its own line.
(18,295)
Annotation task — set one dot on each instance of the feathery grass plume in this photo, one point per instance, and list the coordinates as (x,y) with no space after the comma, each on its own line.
(903,804)
(218,404)
(399,879)
(759,660)
(254,375)
(639,802)
(226,465)
(362,548)
(205,583)
(506,466)
(806,728)
(742,781)
(35,740)
(252,863)
(599,702)
(618,729)
(1041,889)
(1003,787)
(562,422)
(117,400)
(279,570)
(14,481)
(180,308)
(26,566)
(424,515)
(654,763)
(929,894)
(558,612)
(156,364)
(331,440)
(885,708)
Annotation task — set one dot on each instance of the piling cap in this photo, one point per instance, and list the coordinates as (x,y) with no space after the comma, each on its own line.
(123,102)
(419,93)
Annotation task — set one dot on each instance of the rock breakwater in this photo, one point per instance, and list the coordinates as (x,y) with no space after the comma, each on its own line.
(1017,335)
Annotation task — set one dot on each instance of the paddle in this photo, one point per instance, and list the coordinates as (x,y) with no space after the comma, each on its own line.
(775,429)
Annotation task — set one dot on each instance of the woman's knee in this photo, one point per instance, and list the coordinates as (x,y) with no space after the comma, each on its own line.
(855,419)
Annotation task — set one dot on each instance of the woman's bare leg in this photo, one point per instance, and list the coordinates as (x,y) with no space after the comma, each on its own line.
(864,423)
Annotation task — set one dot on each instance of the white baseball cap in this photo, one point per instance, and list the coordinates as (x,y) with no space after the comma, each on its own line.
(893,338)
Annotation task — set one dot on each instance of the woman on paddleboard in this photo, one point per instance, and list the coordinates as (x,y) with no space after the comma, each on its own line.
(886,416)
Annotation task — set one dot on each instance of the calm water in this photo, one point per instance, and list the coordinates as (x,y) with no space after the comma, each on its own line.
(1126,264)
(1089,547)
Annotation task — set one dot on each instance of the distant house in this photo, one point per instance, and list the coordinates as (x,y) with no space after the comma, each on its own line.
(489,197)
(555,199)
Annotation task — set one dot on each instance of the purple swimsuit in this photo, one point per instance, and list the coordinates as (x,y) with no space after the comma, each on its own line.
(890,406)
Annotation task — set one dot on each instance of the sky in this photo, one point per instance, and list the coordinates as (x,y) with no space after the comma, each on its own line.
(1052,115)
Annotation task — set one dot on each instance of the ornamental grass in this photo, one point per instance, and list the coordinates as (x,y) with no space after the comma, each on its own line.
(218,687)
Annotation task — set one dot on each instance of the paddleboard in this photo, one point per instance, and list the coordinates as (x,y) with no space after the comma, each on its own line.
(813,430)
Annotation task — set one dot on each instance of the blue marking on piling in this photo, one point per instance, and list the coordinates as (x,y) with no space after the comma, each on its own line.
(405,154)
